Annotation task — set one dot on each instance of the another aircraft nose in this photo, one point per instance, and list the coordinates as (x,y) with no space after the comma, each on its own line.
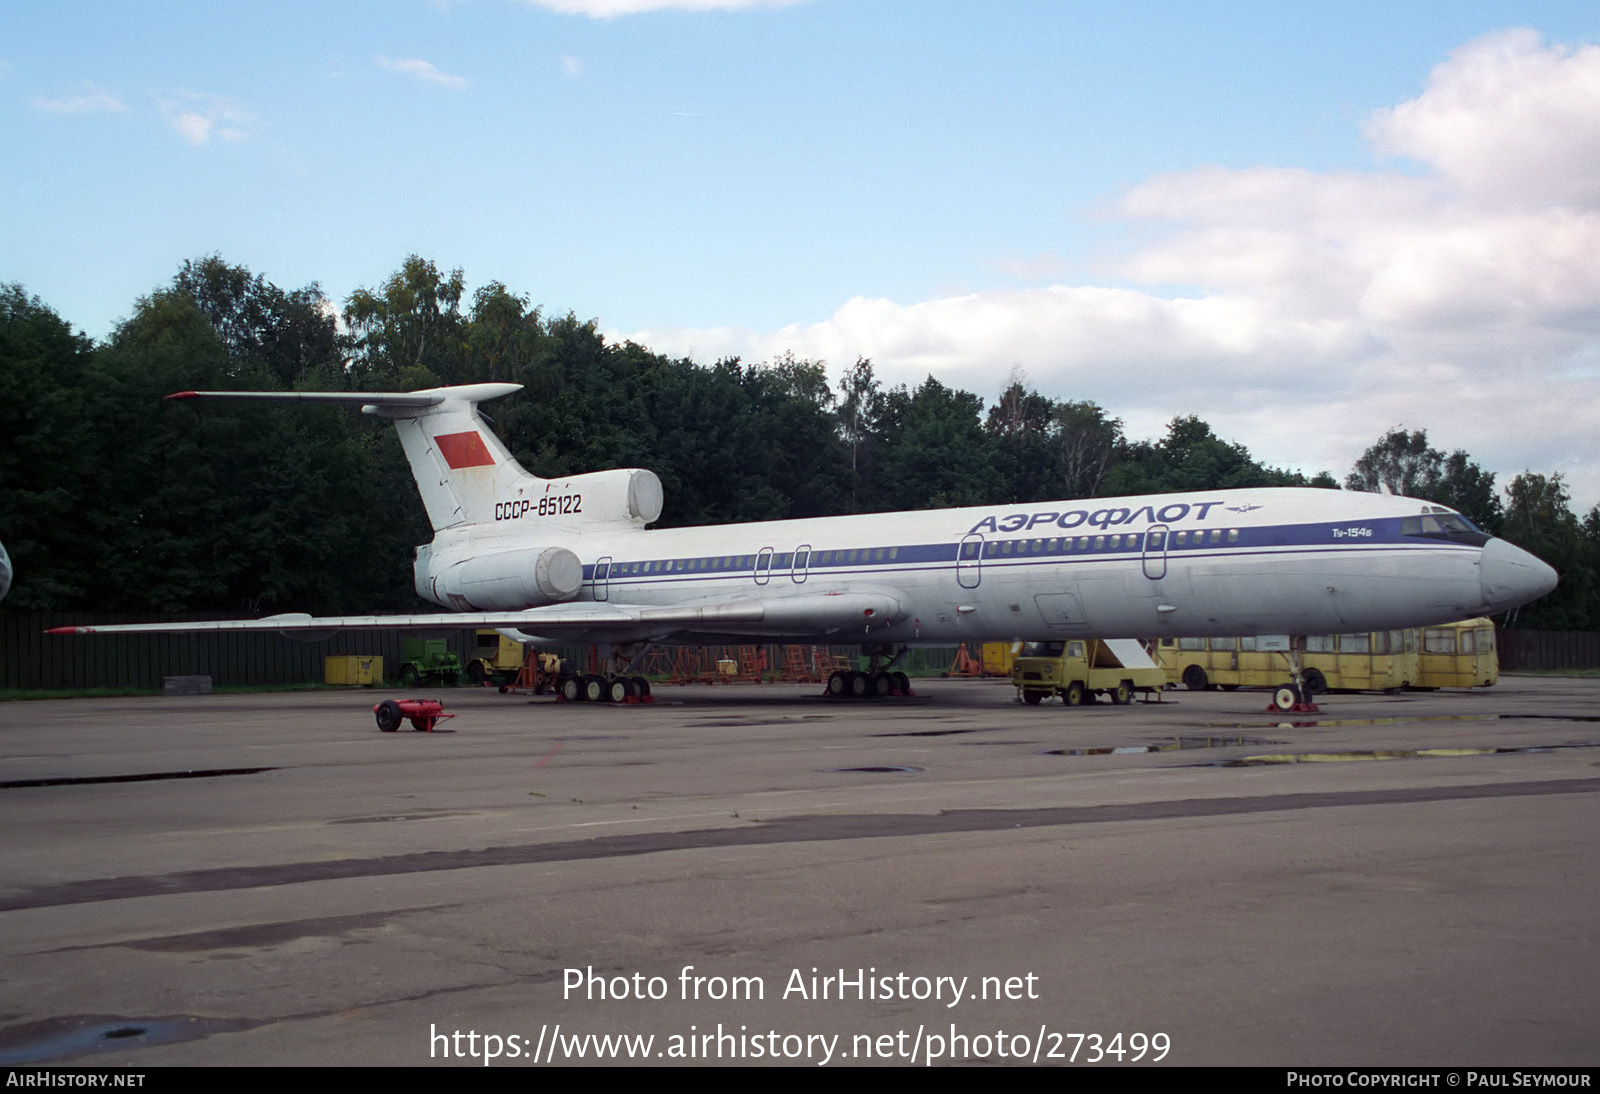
(1511,576)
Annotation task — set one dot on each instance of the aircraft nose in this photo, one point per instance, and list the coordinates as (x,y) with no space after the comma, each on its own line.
(1511,576)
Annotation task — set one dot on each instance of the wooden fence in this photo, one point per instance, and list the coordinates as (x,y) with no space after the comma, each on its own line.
(1530,650)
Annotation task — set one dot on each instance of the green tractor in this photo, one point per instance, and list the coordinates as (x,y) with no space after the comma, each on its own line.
(427,661)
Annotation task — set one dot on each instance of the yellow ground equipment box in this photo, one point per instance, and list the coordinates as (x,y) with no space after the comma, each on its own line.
(352,668)
(998,657)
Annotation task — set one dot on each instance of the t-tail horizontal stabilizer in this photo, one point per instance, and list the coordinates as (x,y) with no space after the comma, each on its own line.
(466,476)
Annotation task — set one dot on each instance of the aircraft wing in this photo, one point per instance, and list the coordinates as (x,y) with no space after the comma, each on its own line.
(819,613)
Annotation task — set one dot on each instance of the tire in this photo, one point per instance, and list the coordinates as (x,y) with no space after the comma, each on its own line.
(389,716)
(1074,695)
(858,684)
(1285,697)
(838,685)
(408,675)
(903,682)
(571,689)
(641,686)
(1032,698)
(1314,683)
(1122,694)
(618,689)
(594,688)
(1195,679)
(882,684)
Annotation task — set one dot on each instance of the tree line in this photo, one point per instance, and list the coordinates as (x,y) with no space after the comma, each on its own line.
(113,499)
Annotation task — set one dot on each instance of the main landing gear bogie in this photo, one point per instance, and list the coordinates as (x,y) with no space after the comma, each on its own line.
(852,684)
(598,688)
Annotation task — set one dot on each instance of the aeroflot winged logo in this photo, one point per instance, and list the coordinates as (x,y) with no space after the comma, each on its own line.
(464,450)
(1098,518)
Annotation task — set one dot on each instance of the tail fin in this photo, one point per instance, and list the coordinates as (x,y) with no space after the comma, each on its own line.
(466,476)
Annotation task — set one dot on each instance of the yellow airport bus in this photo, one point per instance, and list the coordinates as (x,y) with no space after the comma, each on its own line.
(1374,660)
(1371,661)
(1459,655)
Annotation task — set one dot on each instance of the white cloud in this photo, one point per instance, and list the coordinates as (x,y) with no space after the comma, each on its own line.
(90,100)
(1507,119)
(611,9)
(200,119)
(421,70)
(1324,307)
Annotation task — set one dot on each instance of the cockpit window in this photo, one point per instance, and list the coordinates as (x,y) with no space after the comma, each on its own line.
(1444,525)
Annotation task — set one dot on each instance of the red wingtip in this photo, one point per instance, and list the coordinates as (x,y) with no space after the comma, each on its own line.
(70,630)
(183,395)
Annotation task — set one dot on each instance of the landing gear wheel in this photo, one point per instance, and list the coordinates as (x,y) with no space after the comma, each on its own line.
(838,685)
(389,716)
(902,682)
(1122,694)
(618,690)
(641,686)
(1074,695)
(1313,683)
(859,682)
(1195,679)
(882,684)
(571,689)
(594,688)
(1286,697)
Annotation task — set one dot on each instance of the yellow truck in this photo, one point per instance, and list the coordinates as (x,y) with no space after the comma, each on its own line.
(1079,669)
(495,659)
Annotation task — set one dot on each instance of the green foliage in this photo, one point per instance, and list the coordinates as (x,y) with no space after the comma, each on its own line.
(932,452)
(410,334)
(266,331)
(47,458)
(1539,518)
(1405,464)
(1192,457)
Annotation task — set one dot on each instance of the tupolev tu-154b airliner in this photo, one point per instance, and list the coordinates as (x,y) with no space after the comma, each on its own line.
(574,560)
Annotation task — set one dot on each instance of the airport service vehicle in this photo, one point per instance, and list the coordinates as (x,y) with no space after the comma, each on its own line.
(495,657)
(1079,669)
(1461,655)
(1368,660)
(573,560)
(1458,655)
(429,661)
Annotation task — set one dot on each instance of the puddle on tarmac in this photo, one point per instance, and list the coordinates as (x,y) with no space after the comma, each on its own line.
(1390,754)
(1175,744)
(83,1035)
(1312,723)
(152,776)
(873,770)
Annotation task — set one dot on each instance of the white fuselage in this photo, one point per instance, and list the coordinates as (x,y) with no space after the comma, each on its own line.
(1263,561)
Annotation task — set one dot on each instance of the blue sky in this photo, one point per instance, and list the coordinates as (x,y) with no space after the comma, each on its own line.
(1305,223)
